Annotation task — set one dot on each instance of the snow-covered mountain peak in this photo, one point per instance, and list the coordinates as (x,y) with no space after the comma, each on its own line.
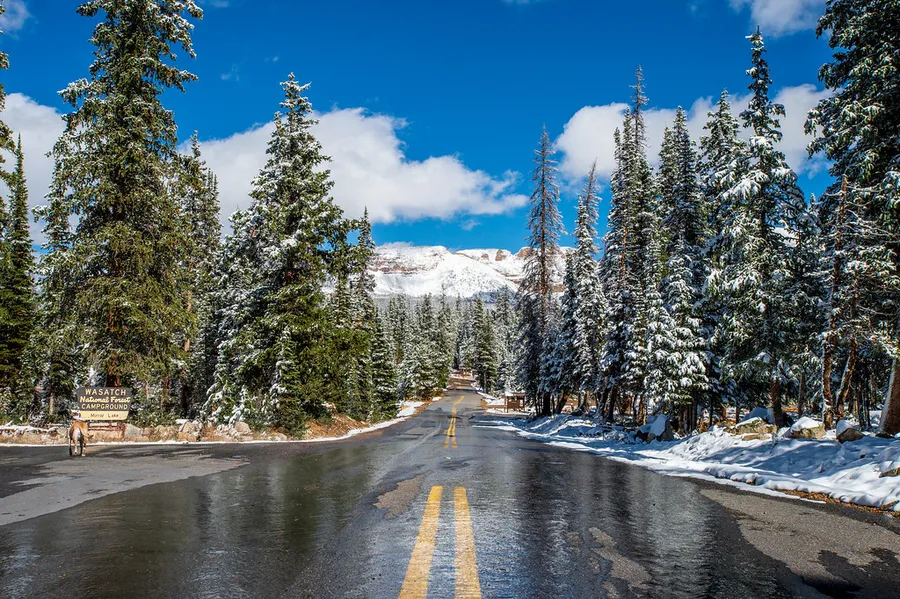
(402,269)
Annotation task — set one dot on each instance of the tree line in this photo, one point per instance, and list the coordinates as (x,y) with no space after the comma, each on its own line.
(134,286)
(719,284)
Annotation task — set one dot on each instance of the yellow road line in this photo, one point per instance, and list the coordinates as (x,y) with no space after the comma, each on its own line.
(467,584)
(415,585)
(451,428)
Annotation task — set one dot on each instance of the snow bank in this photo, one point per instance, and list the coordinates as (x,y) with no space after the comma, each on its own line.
(863,472)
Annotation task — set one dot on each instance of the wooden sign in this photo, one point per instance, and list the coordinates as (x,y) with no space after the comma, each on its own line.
(103,403)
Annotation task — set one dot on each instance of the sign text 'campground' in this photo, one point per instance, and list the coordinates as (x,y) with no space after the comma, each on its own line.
(103,403)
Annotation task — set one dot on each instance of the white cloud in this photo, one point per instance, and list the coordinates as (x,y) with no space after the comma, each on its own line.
(369,166)
(588,135)
(782,17)
(40,127)
(370,169)
(15,16)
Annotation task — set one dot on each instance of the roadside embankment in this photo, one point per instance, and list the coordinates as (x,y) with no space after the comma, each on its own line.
(864,472)
(339,426)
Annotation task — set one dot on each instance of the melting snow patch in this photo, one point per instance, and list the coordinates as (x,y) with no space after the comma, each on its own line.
(861,472)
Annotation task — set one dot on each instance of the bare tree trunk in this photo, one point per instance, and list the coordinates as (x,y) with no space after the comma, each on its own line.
(612,397)
(829,347)
(561,403)
(585,401)
(801,395)
(890,413)
(775,397)
(846,381)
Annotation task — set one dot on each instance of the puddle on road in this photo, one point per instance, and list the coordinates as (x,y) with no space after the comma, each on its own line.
(397,502)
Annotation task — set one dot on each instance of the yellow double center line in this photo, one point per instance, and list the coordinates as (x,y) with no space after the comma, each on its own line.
(415,585)
(450,437)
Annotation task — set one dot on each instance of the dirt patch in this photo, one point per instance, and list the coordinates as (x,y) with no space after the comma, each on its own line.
(888,509)
(338,426)
(398,501)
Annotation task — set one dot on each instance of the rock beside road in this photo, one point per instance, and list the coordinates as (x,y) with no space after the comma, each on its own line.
(752,426)
(190,431)
(32,435)
(847,432)
(807,428)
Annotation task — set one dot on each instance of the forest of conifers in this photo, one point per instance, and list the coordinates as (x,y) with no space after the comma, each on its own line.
(718,283)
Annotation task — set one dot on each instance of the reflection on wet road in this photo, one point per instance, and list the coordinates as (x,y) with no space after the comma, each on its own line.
(433,507)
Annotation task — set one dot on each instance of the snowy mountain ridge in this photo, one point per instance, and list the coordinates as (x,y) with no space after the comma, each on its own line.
(402,269)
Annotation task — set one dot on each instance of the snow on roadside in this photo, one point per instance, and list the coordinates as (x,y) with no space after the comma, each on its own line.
(853,472)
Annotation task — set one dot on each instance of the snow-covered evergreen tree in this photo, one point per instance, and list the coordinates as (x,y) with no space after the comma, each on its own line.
(589,299)
(718,170)
(683,374)
(280,361)
(196,189)
(506,327)
(384,374)
(111,172)
(618,277)
(485,347)
(857,128)
(17,301)
(535,295)
(760,236)
(558,362)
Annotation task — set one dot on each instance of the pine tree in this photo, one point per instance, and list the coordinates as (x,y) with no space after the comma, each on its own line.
(364,316)
(279,363)
(559,359)
(684,227)
(858,126)
(590,301)
(535,295)
(630,269)
(505,319)
(111,172)
(767,204)
(17,302)
(718,170)
(16,293)
(384,374)
(196,188)
(485,346)
(617,276)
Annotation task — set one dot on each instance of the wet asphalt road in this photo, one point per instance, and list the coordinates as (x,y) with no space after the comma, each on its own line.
(362,518)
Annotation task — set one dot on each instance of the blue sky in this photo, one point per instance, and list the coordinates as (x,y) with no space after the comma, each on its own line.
(431,110)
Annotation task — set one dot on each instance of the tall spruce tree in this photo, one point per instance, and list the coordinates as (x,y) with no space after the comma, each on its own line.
(718,171)
(485,347)
(761,235)
(617,276)
(17,297)
(111,176)
(684,226)
(196,189)
(590,302)
(278,364)
(857,131)
(536,292)
(384,373)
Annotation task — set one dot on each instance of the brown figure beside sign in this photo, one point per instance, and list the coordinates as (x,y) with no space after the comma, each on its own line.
(103,403)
